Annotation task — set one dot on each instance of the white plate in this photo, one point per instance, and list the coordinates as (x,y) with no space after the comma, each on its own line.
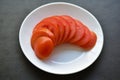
(65,59)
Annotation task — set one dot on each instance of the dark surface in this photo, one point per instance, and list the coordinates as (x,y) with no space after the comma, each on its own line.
(15,66)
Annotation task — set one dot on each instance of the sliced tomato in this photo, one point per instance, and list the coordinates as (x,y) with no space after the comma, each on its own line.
(79,32)
(42,32)
(91,43)
(72,25)
(50,24)
(43,47)
(85,38)
(66,29)
(60,27)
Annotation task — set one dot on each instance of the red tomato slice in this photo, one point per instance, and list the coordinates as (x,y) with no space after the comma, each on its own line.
(50,24)
(91,43)
(72,25)
(85,38)
(43,47)
(55,30)
(42,32)
(66,29)
(60,27)
(79,32)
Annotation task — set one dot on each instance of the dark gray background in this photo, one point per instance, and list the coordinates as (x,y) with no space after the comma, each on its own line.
(15,66)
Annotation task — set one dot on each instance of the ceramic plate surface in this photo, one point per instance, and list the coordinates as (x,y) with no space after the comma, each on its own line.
(66,58)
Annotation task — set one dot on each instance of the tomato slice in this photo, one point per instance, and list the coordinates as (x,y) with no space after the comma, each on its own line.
(50,24)
(72,25)
(91,43)
(42,32)
(79,32)
(43,47)
(55,30)
(85,38)
(61,28)
(66,29)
